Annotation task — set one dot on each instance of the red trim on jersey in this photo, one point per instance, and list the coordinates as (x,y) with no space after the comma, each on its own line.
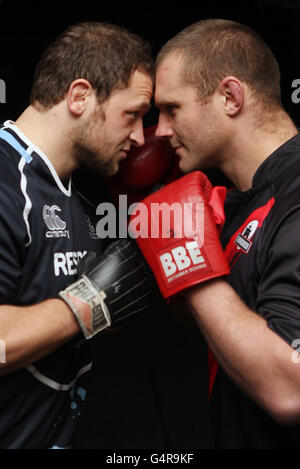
(232,253)
(212,370)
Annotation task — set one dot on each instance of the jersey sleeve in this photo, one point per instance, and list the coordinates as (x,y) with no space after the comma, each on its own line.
(278,299)
(13,231)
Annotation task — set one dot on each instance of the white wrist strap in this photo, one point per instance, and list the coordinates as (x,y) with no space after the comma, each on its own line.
(83,290)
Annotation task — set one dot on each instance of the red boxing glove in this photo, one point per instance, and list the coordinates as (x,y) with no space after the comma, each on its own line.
(145,169)
(183,250)
(216,202)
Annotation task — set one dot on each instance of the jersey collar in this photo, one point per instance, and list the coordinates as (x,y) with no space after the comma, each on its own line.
(33,148)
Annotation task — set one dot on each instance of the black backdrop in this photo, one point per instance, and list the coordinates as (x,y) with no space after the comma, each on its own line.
(149,384)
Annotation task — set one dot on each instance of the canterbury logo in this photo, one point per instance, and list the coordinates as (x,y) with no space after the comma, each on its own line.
(52,220)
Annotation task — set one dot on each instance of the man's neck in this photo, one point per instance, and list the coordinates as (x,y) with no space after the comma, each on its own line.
(46,131)
(251,148)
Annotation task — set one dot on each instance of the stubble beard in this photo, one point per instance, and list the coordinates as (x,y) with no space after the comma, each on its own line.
(93,159)
(93,156)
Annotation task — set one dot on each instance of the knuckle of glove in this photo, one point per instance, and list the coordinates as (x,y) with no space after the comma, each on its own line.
(124,277)
(86,263)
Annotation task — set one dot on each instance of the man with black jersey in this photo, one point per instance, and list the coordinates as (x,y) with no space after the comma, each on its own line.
(218,93)
(87,104)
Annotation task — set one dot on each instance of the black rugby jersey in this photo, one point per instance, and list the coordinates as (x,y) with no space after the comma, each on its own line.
(45,228)
(261,238)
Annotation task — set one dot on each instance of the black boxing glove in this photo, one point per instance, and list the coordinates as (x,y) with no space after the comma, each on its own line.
(113,286)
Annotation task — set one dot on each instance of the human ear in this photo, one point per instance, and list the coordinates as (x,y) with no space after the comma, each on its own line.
(77,97)
(232,91)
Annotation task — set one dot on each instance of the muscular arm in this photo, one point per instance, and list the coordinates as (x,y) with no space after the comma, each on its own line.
(255,358)
(32,332)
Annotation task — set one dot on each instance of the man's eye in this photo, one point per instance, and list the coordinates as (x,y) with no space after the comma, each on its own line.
(133,114)
(171,110)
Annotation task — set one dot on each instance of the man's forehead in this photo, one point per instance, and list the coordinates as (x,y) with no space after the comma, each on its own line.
(168,80)
(169,73)
(141,84)
(170,63)
(139,89)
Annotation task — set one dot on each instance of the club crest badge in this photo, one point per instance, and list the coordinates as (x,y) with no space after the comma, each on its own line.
(243,240)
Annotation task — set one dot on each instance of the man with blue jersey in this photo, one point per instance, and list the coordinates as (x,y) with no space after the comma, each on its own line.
(87,104)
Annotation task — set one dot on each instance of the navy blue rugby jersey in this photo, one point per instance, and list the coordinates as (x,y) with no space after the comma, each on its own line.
(261,238)
(45,228)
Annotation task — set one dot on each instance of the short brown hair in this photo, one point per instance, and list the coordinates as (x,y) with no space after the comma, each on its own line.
(213,49)
(102,53)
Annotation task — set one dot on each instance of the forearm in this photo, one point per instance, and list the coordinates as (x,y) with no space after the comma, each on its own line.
(32,332)
(256,359)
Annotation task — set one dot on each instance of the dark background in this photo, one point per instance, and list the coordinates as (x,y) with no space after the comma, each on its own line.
(149,384)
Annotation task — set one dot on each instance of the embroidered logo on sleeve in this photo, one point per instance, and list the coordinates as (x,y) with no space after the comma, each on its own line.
(242,240)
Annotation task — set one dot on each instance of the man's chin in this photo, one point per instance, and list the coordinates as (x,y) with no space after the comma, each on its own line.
(184,168)
(103,169)
(187,165)
(108,172)
(112,172)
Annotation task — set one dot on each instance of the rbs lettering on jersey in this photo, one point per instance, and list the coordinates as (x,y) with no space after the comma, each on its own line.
(182,260)
(65,262)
